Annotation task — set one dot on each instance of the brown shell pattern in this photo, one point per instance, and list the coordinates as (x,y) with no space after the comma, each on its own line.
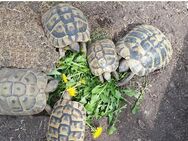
(64,25)
(102,57)
(67,122)
(145,48)
(22,91)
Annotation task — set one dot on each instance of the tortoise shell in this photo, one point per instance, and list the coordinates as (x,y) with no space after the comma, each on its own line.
(22,91)
(67,122)
(23,42)
(102,57)
(145,48)
(64,25)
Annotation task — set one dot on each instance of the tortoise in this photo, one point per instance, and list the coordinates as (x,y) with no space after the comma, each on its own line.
(67,121)
(24,91)
(103,59)
(66,27)
(23,41)
(144,49)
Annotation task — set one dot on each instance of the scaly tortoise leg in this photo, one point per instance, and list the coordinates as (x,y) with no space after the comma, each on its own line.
(84,48)
(116,75)
(48,109)
(101,78)
(126,80)
(61,53)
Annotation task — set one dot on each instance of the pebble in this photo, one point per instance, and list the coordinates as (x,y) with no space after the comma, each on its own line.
(172,85)
(141,124)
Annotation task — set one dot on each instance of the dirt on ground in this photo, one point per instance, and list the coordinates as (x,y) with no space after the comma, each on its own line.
(164,111)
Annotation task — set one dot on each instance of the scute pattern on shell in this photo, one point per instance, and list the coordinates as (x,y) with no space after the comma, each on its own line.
(67,122)
(23,42)
(102,57)
(148,49)
(64,25)
(22,91)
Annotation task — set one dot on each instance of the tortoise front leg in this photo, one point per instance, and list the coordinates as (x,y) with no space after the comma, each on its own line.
(83,48)
(51,85)
(116,75)
(126,80)
(48,109)
(101,78)
(61,53)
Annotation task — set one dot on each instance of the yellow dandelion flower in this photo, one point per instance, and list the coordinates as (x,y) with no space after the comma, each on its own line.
(82,81)
(71,91)
(64,78)
(97,132)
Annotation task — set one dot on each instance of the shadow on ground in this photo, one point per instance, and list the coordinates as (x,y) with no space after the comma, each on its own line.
(172,118)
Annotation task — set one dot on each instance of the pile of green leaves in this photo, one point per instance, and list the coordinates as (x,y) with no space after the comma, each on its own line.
(99,99)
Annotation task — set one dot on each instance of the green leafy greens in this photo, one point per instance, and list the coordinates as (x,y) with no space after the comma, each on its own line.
(99,99)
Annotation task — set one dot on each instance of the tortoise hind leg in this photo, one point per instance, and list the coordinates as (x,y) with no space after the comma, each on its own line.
(126,80)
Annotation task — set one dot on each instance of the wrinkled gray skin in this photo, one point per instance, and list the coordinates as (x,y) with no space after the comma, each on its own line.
(123,66)
(51,87)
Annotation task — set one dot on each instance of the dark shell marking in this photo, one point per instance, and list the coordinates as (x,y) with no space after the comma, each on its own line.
(67,122)
(102,57)
(22,92)
(64,25)
(148,47)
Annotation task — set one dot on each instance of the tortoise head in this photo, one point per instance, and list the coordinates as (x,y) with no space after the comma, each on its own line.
(123,50)
(124,56)
(123,66)
(51,85)
(75,47)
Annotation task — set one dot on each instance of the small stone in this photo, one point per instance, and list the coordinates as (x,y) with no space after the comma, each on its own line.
(172,85)
(141,124)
